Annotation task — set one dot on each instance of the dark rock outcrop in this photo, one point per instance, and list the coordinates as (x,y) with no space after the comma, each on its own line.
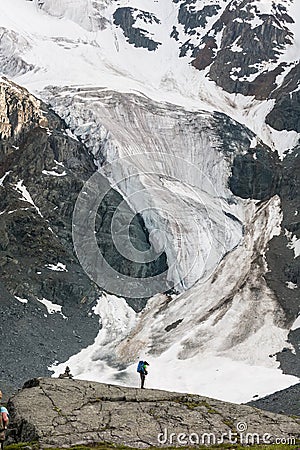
(259,175)
(126,18)
(283,276)
(59,412)
(289,360)
(249,39)
(41,170)
(191,18)
(255,174)
(286,112)
(282,402)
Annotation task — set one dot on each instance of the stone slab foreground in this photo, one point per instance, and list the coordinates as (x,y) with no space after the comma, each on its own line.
(63,412)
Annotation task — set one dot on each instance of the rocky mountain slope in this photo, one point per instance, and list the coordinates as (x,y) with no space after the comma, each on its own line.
(282,402)
(70,412)
(189,110)
(47,300)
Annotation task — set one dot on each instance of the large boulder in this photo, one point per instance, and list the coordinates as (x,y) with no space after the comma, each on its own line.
(64,412)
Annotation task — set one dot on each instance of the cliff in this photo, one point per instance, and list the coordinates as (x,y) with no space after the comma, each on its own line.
(47,300)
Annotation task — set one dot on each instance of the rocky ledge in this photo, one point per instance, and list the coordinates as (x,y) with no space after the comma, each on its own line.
(63,412)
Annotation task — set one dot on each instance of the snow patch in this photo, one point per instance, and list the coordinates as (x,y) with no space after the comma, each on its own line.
(3,178)
(59,163)
(116,320)
(291,285)
(296,324)
(26,196)
(59,267)
(52,307)
(235,48)
(294,243)
(53,173)
(71,134)
(209,375)
(21,300)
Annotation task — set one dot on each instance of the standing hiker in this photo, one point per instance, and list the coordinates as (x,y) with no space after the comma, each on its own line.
(3,422)
(142,369)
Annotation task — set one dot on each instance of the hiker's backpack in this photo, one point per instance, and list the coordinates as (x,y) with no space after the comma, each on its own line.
(140,367)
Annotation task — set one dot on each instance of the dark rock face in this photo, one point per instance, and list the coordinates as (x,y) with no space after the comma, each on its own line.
(234,137)
(236,58)
(61,412)
(255,174)
(290,191)
(289,360)
(285,115)
(191,18)
(126,18)
(284,274)
(283,269)
(282,402)
(286,112)
(174,34)
(42,170)
(260,175)
(138,237)
(35,233)
(256,171)
(243,35)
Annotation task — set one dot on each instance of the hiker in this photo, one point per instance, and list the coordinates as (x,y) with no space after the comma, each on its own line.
(142,369)
(3,422)
(66,374)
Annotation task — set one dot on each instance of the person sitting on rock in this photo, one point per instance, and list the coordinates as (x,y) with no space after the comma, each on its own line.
(4,420)
(66,374)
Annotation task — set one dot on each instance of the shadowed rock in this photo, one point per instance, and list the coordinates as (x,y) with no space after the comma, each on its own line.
(282,402)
